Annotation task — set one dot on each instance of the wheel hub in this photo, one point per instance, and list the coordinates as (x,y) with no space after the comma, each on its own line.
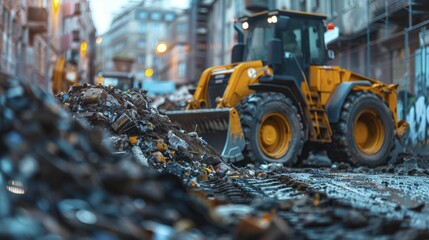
(368,132)
(269,135)
(274,135)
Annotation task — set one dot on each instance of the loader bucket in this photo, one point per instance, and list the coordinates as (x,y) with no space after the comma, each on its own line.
(220,127)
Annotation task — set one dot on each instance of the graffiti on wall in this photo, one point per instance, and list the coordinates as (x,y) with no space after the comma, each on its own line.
(416,109)
(417,115)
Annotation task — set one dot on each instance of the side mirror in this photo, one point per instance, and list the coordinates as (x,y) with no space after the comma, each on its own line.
(331,55)
(275,52)
(237,53)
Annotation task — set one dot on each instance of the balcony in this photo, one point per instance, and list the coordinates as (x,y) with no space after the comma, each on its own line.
(37,20)
(77,10)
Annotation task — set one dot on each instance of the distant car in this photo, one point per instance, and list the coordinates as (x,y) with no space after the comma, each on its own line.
(121,80)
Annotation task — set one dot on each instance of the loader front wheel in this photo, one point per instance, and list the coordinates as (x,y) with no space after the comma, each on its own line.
(272,128)
(365,133)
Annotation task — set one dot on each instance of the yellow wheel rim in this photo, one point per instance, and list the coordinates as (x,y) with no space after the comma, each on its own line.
(274,135)
(368,132)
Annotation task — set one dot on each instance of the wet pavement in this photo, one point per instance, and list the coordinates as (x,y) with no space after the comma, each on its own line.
(351,205)
(392,196)
(110,166)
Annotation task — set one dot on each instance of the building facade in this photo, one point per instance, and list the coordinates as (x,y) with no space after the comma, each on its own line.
(129,45)
(11,24)
(35,33)
(78,35)
(174,63)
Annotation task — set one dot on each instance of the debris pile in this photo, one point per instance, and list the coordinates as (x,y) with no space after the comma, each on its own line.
(174,101)
(142,131)
(58,180)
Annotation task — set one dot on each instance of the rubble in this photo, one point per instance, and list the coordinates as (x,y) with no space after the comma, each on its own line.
(133,122)
(131,174)
(406,164)
(58,180)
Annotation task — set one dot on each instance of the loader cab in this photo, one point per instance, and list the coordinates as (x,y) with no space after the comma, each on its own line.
(301,39)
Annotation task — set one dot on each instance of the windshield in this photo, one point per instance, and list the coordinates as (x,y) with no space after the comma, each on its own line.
(302,38)
(257,41)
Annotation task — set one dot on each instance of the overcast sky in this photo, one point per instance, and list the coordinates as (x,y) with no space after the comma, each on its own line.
(103,10)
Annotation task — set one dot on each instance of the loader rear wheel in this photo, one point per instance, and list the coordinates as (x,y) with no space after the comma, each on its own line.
(272,128)
(364,134)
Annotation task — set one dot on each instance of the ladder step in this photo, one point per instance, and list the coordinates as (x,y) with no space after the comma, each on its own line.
(321,125)
(317,109)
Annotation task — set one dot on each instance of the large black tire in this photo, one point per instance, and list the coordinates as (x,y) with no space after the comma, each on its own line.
(272,129)
(365,133)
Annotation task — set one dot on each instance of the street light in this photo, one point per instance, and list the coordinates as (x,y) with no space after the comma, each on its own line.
(56,5)
(99,40)
(148,72)
(99,57)
(161,48)
(52,15)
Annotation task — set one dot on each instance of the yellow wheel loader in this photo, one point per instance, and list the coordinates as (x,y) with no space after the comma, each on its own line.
(278,98)
(64,76)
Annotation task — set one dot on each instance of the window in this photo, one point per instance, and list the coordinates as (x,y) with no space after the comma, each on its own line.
(316,47)
(333,8)
(181,27)
(118,47)
(257,42)
(155,28)
(169,17)
(142,15)
(302,5)
(348,4)
(181,69)
(142,28)
(141,59)
(292,42)
(141,44)
(156,16)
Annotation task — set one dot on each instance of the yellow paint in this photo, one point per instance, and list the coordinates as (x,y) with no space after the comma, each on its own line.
(274,135)
(60,83)
(368,132)
(58,75)
(100,80)
(200,94)
(238,88)
(234,124)
(325,79)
